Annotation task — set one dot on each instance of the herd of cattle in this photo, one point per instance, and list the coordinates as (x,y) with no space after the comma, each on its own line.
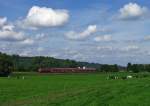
(127,76)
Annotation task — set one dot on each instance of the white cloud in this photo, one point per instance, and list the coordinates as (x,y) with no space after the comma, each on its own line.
(81,35)
(7,35)
(3,20)
(132,11)
(45,17)
(9,27)
(5,25)
(102,48)
(40,36)
(27,41)
(130,48)
(40,49)
(103,38)
(7,32)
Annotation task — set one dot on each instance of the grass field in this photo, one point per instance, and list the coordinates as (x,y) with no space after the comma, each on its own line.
(74,90)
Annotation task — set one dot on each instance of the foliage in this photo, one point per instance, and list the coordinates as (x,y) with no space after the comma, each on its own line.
(138,67)
(109,68)
(6,65)
(26,64)
(18,63)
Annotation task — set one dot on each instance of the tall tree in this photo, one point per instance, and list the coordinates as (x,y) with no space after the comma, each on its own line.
(6,65)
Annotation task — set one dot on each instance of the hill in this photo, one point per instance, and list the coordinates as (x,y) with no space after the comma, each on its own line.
(21,63)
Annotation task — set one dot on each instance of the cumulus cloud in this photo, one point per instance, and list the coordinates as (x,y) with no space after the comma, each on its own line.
(40,49)
(45,17)
(9,27)
(105,48)
(103,38)
(4,25)
(130,48)
(81,35)
(3,20)
(12,36)
(7,32)
(40,36)
(27,41)
(132,11)
(7,35)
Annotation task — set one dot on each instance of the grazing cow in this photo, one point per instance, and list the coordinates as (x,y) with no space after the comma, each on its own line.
(116,77)
(23,77)
(129,77)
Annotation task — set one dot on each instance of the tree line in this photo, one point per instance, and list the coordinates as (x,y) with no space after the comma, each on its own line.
(138,68)
(16,63)
(6,64)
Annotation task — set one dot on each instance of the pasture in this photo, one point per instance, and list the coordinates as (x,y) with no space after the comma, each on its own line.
(74,90)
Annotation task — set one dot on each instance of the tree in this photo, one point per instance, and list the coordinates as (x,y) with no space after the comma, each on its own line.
(6,65)
(135,68)
(129,67)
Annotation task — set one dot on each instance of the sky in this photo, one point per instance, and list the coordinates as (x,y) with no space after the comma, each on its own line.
(99,31)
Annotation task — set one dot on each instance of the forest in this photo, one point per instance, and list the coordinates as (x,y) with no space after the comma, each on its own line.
(16,63)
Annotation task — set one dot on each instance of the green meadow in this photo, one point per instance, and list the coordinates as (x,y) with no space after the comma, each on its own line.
(73,90)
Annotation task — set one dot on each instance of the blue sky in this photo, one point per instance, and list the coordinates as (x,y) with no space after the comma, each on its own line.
(103,31)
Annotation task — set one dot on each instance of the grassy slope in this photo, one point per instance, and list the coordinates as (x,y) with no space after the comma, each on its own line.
(74,90)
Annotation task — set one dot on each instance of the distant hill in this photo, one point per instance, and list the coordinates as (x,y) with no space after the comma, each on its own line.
(33,63)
